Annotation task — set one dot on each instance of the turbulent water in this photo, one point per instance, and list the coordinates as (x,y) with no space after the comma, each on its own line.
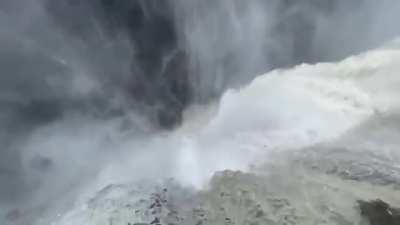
(309,141)
(134,112)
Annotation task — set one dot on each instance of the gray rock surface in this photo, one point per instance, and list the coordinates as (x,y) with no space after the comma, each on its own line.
(379,212)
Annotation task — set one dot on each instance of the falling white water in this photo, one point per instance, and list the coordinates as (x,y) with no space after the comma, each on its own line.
(274,130)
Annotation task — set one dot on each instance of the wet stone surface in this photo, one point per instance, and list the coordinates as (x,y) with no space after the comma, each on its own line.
(378,212)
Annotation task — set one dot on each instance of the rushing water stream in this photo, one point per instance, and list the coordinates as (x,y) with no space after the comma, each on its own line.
(199,112)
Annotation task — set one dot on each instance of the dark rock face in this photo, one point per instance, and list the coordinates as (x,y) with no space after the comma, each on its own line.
(378,212)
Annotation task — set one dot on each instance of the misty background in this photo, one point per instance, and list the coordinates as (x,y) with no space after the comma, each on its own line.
(80,79)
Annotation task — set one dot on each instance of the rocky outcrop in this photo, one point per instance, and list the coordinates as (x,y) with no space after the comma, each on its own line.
(235,197)
(378,212)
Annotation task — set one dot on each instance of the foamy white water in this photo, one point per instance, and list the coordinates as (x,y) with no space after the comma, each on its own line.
(263,129)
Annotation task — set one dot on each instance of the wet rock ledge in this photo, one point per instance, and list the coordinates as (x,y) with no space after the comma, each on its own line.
(378,212)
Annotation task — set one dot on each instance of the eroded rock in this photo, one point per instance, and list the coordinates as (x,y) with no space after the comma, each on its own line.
(378,212)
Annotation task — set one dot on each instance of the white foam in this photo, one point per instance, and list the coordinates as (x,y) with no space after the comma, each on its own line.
(278,111)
